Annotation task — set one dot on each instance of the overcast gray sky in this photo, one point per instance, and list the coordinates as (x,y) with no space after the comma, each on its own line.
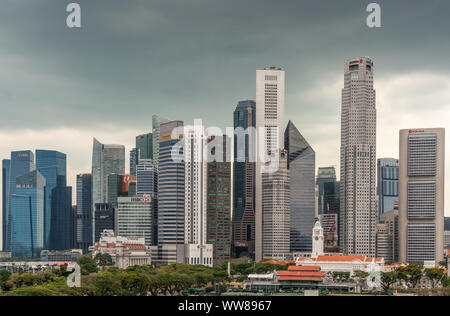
(186,59)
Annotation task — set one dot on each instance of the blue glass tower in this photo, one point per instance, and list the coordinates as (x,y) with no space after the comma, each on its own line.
(6,163)
(61,224)
(84,211)
(27,216)
(52,165)
(21,163)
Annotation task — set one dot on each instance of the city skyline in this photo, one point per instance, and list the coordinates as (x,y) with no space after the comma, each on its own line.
(415,95)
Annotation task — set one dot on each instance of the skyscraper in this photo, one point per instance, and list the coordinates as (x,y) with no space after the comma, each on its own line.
(156,122)
(21,162)
(52,165)
(198,251)
(301,163)
(421,195)
(244,179)
(270,94)
(106,160)
(324,175)
(276,211)
(387,184)
(358,159)
(135,218)
(145,178)
(6,166)
(134,160)
(61,223)
(330,217)
(219,200)
(84,212)
(104,218)
(144,146)
(27,215)
(171,178)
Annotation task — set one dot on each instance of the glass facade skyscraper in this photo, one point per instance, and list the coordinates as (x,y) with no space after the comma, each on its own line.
(61,224)
(52,165)
(144,146)
(302,167)
(27,215)
(156,122)
(325,175)
(84,211)
(244,117)
(387,183)
(6,165)
(21,162)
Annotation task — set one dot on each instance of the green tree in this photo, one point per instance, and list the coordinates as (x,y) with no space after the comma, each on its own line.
(136,283)
(87,264)
(388,279)
(411,274)
(4,277)
(435,275)
(103,260)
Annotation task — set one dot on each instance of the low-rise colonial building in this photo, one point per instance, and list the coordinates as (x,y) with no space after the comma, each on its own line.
(124,251)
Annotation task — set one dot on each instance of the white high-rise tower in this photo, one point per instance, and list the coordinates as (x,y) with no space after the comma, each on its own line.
(270,94)
(317,240)
(358,159)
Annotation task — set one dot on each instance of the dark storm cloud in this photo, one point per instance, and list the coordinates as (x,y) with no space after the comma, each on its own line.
(196,58)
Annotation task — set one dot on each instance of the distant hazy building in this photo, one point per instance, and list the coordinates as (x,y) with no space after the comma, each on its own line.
(219,228)
(447,239)
(270,96)
(135,218)
(387,183)
(21,162)
(421,194)
(358,159)
(324,175)
(276,211)
(302,167)
(244,118)
(84,212)
(27,215)
(105,218)
(106,160)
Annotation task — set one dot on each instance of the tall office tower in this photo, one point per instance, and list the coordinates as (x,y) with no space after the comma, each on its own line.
(135,218)
(219,200)
(144,146)
(324,175)
(387,236)
(61,224)
(330,217)
(421,194)
(145,178)
(27,215)
(171,188)
(358,159)
(6,164)
(270,94)
(53,166)
(84,212)
(277,212)
(21,162)
(244,179)
(387,184)
(105,218)
(106,160)
(156,122)
(195,202)
(302,168)
(134,160)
